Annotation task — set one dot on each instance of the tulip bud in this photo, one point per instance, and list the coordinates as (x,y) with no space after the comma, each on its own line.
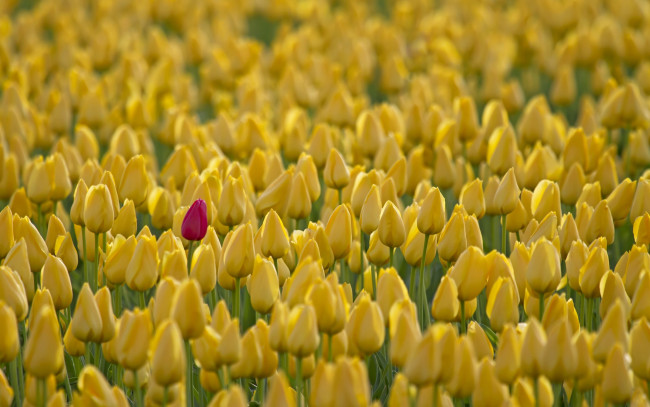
(161,208)
(204,267)
(405,336)
(471,197)
(612,331)
(187,309)
(543,271)
(125,223)
(507,363)
(617,385)
(275,241)
(132,340)
(134,184)
(36,247)
(469,273)
(503,305)
(452,240)
(533,343)
(230,349)
(463,381)
(167,355)
(195,222)
(445,305)
(238,254)
(559,356)
(339,232)
(12,292)
(299,206)
(43,354)
(391,227)
(276,195)
(431,218)
(366,327)
(592,271)
(39,182)
(86,321)
(9,343)
(263,285)
(231,206)
(601,223)
(142,270)
(55,278)
(302,331)
(336,174)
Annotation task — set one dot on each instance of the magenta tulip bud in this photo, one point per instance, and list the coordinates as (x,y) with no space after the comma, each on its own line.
(195,222)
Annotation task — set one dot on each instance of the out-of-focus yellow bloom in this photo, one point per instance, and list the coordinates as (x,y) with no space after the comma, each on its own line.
(263,285)
(134,184)
(640,348)
(471,197)
(617,383)
(125,223)
(9,343)
(142,270)
(560,359)
(503,305)
(335,174)
(469,273)
(366,327)
(187,309)
(488,390)
(302,331)
(507,362)
(86,321)
(132,339)
(391,227)
(463,382)
(502,149)
(55,278)
(238,254)
(370,211)
(452,240)
(204,267)
(43,353)
(543,272)
(339,231)
(641,230)
(612,331)
(533,344)
(12,292)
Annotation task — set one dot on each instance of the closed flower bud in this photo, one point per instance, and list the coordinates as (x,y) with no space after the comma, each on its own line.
(391,227)
(299,206)
(366,327)
(617,385)
(278,331)
(592,271)
(502,149)
(204,268)
(543,272)
(559,356)
(132,340)
(55,229)
(167,355)
(431,218)
(238,254)
(134,184)
(641,230)
(612,331)
(302,331)
(119,255)
(339,231)
(370,211)
(231,206)
(469,273)
(7,231)
(187,309)
(619,199)
(640,348)
(195,221)
(12,292)
(125,223)
(532,345)
(105,306)
(507,362)
(452,240)
(86,321)
(39,182)
(276,195)
(601,224)
(249,363)
(9,343)
(503,304)
(43,353)
(161,208)
(445,305)
(36,247)
(463,382)
(142,270)
(275,241)
(98,209)
(378,253)
(336,174)
(263,285)
(230,349)
(471,197)
(77,348)
(55,278)
(506,196)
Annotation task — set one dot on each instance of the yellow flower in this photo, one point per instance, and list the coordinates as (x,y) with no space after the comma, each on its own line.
(43,353)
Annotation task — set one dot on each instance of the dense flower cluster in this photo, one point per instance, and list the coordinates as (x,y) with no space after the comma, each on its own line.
(324,203)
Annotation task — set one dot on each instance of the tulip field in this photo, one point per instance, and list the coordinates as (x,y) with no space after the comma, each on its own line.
(324,203)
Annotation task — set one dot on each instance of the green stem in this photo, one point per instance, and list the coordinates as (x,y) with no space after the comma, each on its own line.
(330,357)
(298,380)
(13,379)
(424,303)
(94,277)
(435,395)
(141,300)
(190,250)
(536,391)
(503,234)
(589,315)
(361,250)
(557,392)
(188,375)
(420,304)
(412,293)
(83,238)
(374,281)
(541,306)
(235,305)
(104,250)
(340,196)
(139,402)
(463,327)
(164,400)
(88,355)
(41,396)
(390,258)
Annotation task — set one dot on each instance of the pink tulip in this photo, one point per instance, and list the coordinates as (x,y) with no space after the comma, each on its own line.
(195,223)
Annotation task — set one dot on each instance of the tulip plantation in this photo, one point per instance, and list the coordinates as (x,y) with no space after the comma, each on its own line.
(324,203)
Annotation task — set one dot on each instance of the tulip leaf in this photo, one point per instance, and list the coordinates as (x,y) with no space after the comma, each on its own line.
(492,337)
